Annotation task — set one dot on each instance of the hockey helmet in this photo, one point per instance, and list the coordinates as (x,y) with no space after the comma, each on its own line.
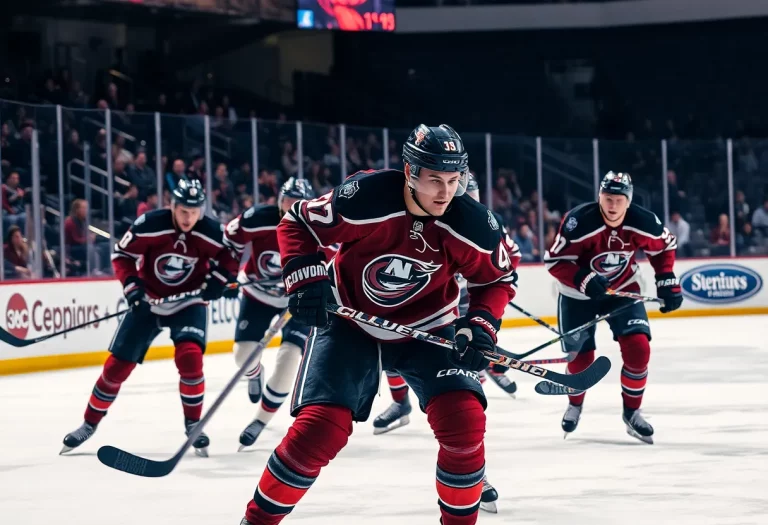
(295,188)
(189,193)
(439,149)
(617,184)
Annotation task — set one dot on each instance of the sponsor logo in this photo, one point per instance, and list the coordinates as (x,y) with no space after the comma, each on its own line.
(46,318)
(458,372)
(349,189)
(308,272)
(173,269)
(484,322)
(17,316)
(720,283)
(391,280)
(611,264)
(638,321)
(197,331)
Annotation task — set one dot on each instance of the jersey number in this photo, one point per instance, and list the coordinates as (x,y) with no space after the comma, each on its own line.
(126,240)
(232,226)
(319,210)
(559,244)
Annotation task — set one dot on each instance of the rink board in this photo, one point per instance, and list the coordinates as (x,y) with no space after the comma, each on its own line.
(712,286)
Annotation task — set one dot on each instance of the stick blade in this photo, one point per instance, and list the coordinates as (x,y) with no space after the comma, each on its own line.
(553,389)
(10,339)
(118,459)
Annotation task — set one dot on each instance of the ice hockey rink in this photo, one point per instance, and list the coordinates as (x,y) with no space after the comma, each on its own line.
(705,398)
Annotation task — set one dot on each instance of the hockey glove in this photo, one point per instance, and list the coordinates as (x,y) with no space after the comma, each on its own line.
(591,284)
(668,290)
(219,283)
(135,296)
(475,336)
(308,289)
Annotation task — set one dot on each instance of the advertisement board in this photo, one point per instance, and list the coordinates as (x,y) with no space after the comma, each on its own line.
(710,287)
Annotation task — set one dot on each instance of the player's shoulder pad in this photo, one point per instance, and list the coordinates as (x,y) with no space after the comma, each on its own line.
(644,220)
(210,228)
(474,222)
(153,221)
(581,221)
(260,215)
(370,194)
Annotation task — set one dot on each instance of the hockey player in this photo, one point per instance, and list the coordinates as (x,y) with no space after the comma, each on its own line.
(397,415)
(261,302)
(165,252)
(404,235)
(594,252)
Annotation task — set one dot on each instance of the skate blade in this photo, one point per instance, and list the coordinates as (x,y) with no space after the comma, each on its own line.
(397,423)
(644,439)
(201,452)
(65,450)
(489,506)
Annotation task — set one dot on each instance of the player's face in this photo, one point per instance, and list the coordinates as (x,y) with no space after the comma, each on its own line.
(613,206)
(435,189)
(186,217)
(287,203)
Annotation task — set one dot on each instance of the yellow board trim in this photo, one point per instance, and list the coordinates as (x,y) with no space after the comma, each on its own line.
(24,365)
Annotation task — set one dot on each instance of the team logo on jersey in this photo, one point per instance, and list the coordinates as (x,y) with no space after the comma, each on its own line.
(349,189)
(492,221)
(391,280)
(271,274)
(611,264)
(249,213)
(173,269)
(571,223)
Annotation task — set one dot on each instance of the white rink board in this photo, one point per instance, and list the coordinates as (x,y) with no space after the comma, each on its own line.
(31,310)
(709,465)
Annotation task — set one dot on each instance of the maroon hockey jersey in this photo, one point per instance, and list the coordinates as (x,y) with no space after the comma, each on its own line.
(169,261)
(584,240)
(400,266)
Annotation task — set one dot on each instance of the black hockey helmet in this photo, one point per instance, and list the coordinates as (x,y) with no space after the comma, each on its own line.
(437,148)
(617,184)
(189,193)
(295,188)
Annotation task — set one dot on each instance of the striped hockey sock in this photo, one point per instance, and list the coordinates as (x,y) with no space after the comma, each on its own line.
(271,402)
(581,363)
(192,392)
(106,388)
(397,386)
(633,386)
(459,496)
(279,490)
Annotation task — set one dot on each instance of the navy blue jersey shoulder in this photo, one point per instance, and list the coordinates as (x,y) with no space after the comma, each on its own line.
(260,215)
(581,221)
(474,222)
(211,228)
(370,194)
(153,221)
(644,220)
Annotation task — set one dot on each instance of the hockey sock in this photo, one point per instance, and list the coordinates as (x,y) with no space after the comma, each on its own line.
(276,391)
(105,390)
(318,433)
(458,421)
(581,363)
(242,350)
(189,362)
(397,386)
(636,352)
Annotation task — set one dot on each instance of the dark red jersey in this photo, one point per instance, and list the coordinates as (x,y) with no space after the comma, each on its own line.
(169,261)
(586,241)
(400,266)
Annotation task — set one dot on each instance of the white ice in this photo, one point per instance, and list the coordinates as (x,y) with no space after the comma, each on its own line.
(705,397)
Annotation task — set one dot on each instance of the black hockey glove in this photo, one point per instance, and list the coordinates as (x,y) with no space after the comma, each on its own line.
(591,284)
(668,289)
(475,336)
(308,289)
(219,283)
(135,296)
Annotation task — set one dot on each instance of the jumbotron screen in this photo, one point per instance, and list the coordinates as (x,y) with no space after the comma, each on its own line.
(346,15)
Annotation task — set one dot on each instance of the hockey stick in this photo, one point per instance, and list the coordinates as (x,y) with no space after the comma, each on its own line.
(539,321)
(118,459)
(581,381)
(636,296)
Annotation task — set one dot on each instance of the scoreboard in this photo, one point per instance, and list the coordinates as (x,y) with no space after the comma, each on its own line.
(346,15)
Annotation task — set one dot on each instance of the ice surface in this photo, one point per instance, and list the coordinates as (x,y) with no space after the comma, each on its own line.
(705,397)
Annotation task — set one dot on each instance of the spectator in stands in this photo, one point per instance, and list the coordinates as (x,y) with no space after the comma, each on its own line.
(503,202)
(246,202)
(267,187)
(524,239)
(147,205)
(395,155)
(13,203)
(680,228)
(75,233)
(20,152)
(677,197)
(196,168)
(119,151)
(720,238)
(16,255)
(354,159)
(219,120)
(373,152)
(741,208)
(229,111)
(760,219)
(128,203)
(113,100)
(745,239)
(176,174)
(243,175)
(142,175)
(318,178)
(549,238)
(121,177)
(73,149)
(289,160)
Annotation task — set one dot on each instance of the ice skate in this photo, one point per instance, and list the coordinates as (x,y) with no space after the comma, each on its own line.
(245,522)
(201,443)
(78,437)
(251,433)
(256,386)
(637,426)
(395,416)
(503,382)
(571,418)
(489,497)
